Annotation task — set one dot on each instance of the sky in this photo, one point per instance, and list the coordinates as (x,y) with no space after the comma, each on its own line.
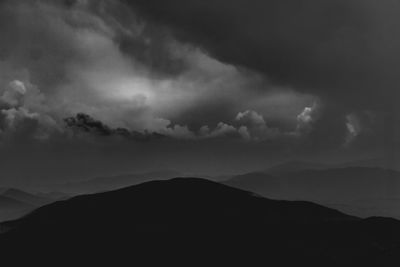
(92,88)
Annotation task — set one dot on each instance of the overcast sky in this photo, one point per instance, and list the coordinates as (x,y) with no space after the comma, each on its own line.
(104,87)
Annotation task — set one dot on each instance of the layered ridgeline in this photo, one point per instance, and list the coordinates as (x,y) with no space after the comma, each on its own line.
(361,191)
(107,183)
(15,203)
(196,222)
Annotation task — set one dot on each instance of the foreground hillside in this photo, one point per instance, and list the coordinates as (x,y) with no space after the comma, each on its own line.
(196,222)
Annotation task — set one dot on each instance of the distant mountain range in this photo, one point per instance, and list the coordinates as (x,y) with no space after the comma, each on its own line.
(26,197)
(196,222)
(361,191)
(299,165)
(7,203)
(15,203)
(295,166)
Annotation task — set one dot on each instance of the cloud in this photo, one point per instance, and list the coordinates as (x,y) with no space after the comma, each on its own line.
(254,127)
(14,93)
(367,130)
(23,113)
(207,81)
(83,123)
(251,117)
(343,51)
(353,127)
(102,58)
(347,65)
(221,130)
(306,119)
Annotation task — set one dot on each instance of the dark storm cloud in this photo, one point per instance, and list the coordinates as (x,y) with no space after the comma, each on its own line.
(215,86)
(98,58)
(85,123)
(156,56)
(28,43)
(346,50)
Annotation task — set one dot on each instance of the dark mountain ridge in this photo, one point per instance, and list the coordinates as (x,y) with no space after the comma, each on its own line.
(196,222)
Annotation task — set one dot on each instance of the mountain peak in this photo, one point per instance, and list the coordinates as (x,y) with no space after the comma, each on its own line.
(191,218)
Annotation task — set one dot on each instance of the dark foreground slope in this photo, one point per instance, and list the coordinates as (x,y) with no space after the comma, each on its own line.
(195,222)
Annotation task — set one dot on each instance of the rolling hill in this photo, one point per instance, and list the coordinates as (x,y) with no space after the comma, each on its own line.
(196,222)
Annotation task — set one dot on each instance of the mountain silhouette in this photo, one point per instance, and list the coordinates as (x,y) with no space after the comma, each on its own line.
(196,222)
(358,190)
